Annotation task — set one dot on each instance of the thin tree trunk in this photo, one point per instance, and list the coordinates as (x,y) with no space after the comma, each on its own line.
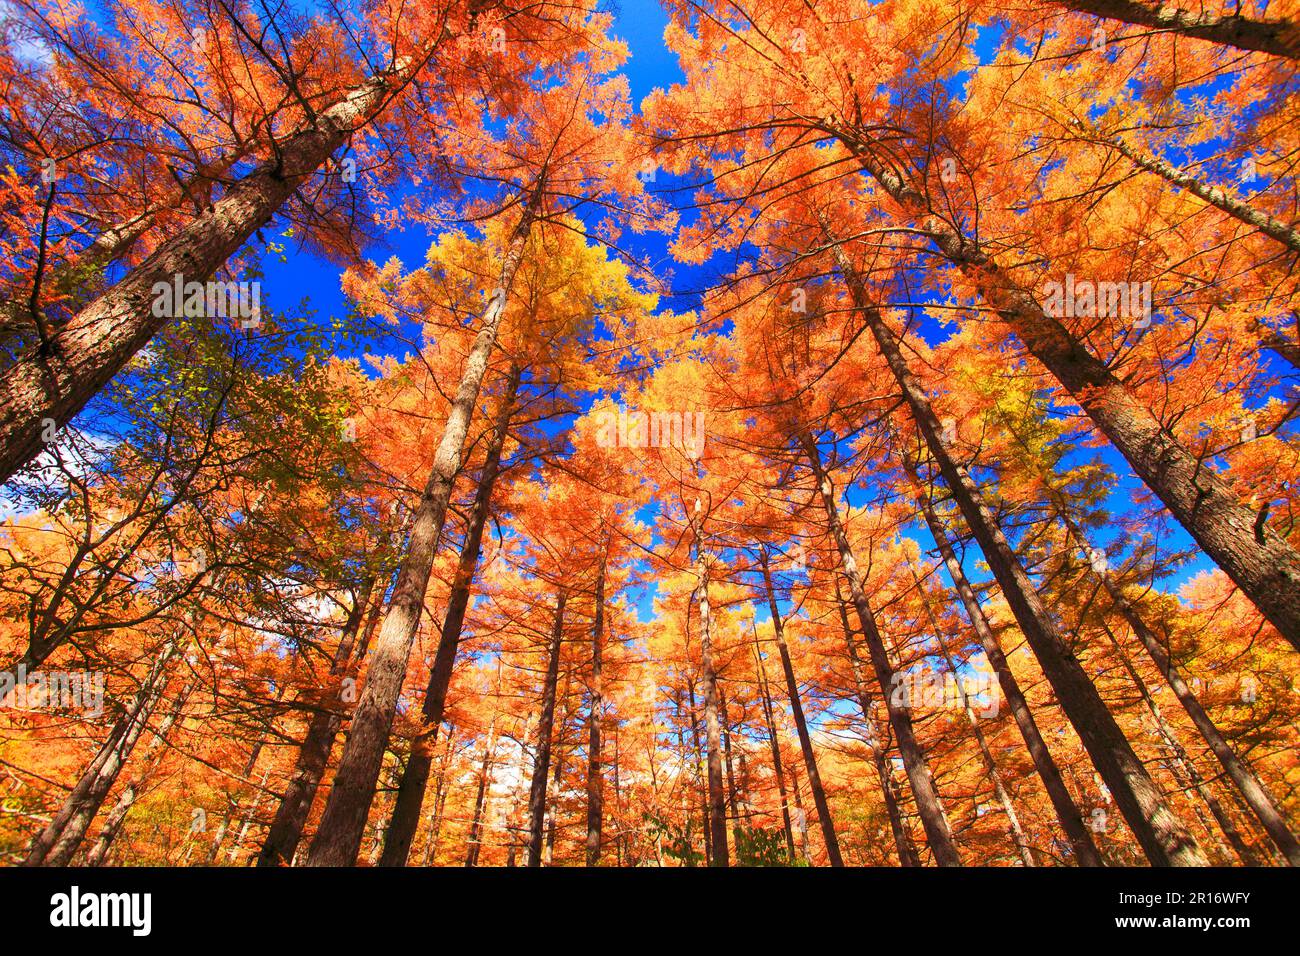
(1216,196)
(1260,562)
(553,789)
(924,792)
(800,722)
(800,817)
(481,797)
(701,771)
(285,832)
(884,772)
(415,778)
(595,799)
(1257,798)
(248,818)
(1162,835)
(1067,811)
(439,807)
(990,766)
(518,803)
(153,756)
(731,775)
(542,761)
(56,844)
(708,678)
(439,799)
(766,699)
(620,838)
(1184,770)
(344,822)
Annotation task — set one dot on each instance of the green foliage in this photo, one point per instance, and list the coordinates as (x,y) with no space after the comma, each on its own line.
(759,847)
(677,841)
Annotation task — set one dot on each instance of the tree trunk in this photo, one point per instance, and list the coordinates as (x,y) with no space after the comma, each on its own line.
(285,832)
(990,766)
(800,817)
(553,789)
(800,723)
(732,810)
(1260,562)
(153,756)
(1275,37)
(1162,835)
(56,844)
(415,778)
(480,797)
(595,800)
(542,761)
(1184,771)
(924,791)
(344,822)
(701,773)
(766,698)
(620,837)
(884,773)
(717,819)
(1067,811)
(1241,211)
(105,335)
(1243,777)
(248,818)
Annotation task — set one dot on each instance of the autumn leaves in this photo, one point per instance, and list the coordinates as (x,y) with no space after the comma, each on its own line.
(943,311)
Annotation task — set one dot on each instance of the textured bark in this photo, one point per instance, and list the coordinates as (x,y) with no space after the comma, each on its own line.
(553,788)
(924,792)
(1067,811)
(126,800)
(285,832)
(104,336)
(717,815)
(542,760)
(766,699)
(732,810)
(56,844)
(443,788)
(339,838)
(800,722)
(415,778)
(1253,792)
(1276,37)
(475,838)
(1162,835)
(1181,765)
(884,773)
(990,766)
(1260,562)
(1215,196)
(595,796)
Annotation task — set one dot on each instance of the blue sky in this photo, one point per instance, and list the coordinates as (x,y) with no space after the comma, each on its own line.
(651,65)
(641,24)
